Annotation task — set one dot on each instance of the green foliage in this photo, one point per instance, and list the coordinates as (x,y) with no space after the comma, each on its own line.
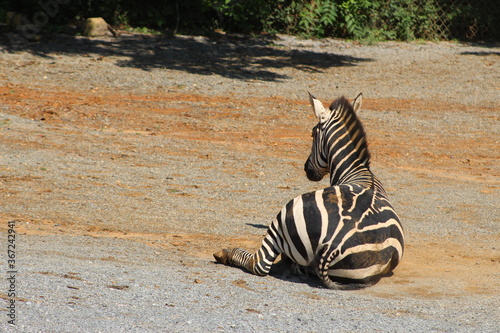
(365,20)
(240,16)
(144,30)
(404,19)
(306,18)
(355,15)
(318,18)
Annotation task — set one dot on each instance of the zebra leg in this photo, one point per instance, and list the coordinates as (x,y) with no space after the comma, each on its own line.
(241,258)
(293,268)
(235,257)
(258,263)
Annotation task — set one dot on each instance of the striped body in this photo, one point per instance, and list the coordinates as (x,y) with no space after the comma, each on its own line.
(348,233)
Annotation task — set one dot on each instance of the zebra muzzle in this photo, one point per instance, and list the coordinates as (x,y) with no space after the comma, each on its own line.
(311,173)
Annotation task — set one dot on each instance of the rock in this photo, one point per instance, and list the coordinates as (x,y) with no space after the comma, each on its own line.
(97,26)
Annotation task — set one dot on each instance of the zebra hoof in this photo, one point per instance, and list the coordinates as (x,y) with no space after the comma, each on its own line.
(221,256)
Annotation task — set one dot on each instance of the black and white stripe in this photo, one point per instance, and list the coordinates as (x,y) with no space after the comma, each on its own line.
(348,232)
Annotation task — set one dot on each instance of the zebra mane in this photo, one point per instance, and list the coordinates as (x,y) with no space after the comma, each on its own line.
(343,109)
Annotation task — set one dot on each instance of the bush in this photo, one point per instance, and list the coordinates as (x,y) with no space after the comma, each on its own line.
(356,19)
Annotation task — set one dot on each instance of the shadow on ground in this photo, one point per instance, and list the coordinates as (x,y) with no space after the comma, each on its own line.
(241,58)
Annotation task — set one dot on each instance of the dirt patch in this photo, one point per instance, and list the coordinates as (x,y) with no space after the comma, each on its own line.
(432,268)
(431,260)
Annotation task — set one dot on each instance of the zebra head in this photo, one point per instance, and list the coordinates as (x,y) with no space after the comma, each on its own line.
(317,165)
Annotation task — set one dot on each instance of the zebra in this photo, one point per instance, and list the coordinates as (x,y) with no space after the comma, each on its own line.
(348,233)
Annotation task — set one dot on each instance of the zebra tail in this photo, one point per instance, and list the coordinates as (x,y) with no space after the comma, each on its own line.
(329,283)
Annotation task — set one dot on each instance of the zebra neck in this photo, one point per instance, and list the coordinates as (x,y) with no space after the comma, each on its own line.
(348,155)
(358,174)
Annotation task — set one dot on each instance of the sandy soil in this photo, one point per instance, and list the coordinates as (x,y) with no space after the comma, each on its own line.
(154,146)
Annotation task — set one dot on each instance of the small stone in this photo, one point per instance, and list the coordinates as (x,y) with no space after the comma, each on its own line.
(95,26)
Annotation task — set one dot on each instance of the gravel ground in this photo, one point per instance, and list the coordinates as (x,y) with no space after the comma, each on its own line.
(128,161)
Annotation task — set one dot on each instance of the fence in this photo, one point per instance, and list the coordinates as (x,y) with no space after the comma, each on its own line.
(467,19)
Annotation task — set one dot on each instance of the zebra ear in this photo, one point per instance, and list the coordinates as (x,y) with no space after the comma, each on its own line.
(356,103)
(319,109)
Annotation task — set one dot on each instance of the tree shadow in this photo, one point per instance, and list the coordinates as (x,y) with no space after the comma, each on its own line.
(240,58)
(493,46)
(481,53)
